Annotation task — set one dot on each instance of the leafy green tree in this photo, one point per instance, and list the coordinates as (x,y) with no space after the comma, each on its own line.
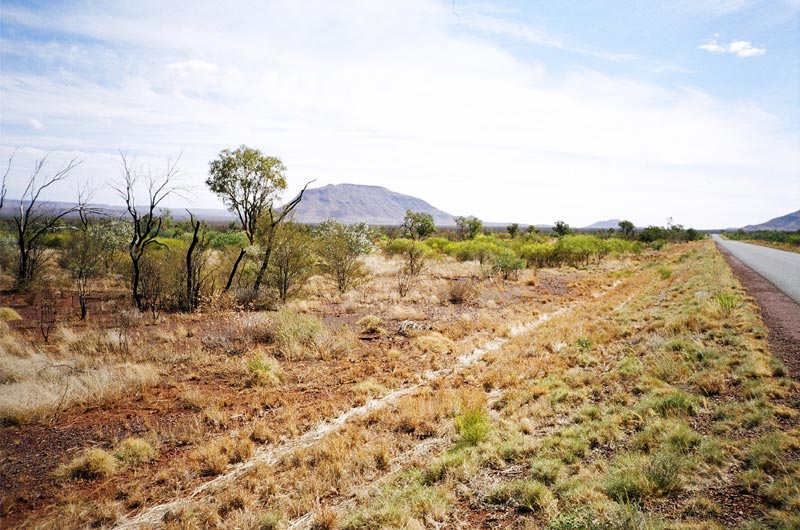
(468,227)
(628,230)
(249,183)
(561,229)
(340,248)
(513,230)
(418,225)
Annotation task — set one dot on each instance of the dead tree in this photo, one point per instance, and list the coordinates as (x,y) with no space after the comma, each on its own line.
(196,261)
(3,188)
(33,219)
(146,224)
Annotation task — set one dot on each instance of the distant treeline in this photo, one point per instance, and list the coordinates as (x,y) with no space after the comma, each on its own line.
(771,236)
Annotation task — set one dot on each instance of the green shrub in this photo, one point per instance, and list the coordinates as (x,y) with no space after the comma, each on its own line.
(578,520)
(506,263)
(664,272)
(727,302)
(472,425)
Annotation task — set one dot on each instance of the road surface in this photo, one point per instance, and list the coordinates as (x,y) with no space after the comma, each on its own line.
(780,267)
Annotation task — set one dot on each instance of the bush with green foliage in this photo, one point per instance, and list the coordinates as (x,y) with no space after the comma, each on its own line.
(340,248)
(506,263)
(418,225)
(414,255)
(293,260)
(468,227)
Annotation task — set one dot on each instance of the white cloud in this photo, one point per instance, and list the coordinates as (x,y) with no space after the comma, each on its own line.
(713,47)
(396,94)
(33,123)
(742,48)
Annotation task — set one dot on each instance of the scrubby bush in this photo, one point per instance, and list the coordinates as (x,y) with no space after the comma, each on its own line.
(506,263)
(297,335)
(414,255)
(340,248)
(292,261)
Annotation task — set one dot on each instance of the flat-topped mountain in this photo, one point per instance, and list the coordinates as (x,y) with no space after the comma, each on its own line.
(603,225)
(353,203)
(788,223)
(346,203)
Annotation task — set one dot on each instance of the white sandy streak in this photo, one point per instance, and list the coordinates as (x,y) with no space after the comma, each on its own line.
(270,456)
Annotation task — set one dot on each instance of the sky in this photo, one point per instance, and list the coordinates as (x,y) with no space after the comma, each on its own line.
(512,111)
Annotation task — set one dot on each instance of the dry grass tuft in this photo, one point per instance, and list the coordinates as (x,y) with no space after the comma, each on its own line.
(39,386)
(404,312)
(91,464)
(7,314)
(435,343)
(460,291)
(298,336)
(370,324)
(324,519)
(263,370)
(134,451)
(213,458)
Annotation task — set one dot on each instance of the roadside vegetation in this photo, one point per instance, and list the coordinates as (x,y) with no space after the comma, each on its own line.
(783,240)
(362,377)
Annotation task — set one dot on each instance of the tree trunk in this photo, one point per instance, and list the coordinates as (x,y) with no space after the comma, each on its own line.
(265,262)
(137,296)
(233,271)
(22,270)
(191,297)
(82,296)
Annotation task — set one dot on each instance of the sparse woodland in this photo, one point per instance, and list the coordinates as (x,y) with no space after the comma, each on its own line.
(358,377)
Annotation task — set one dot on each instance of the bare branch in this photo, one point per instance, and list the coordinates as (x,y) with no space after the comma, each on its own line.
(3,188)
(289,206)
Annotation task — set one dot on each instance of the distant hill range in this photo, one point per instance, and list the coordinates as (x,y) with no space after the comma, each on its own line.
(354,203)
(788,223)
(603,225)
(346,203)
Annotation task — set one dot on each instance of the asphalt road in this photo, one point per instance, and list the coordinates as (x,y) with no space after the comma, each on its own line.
(781,268)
